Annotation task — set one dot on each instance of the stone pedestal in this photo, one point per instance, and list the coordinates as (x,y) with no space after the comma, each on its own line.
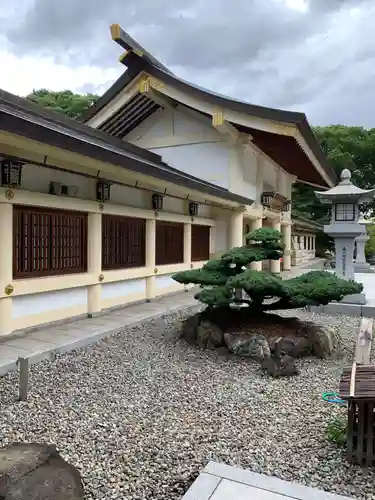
(360,265)
(37,471)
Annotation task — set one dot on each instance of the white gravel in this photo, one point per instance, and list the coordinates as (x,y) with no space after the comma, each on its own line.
(143,412)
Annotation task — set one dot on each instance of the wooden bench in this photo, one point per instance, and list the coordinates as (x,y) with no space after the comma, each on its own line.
(357,386)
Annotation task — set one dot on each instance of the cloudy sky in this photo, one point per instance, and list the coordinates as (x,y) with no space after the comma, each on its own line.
(315,56)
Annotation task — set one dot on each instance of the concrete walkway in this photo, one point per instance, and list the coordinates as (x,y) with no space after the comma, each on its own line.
(46,342)
(222,482)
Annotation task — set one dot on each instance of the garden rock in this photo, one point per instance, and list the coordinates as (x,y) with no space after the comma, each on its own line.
(324,340)
(293,345)
(279,365)
(209,335)
(37,472)
(189,328)
(253,346)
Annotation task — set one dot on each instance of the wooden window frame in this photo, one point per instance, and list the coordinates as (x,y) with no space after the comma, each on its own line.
(49,234)
(165,249)
(200,251)
(119,224)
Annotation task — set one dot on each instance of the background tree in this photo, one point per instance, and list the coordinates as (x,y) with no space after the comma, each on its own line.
(370,244)
(346,147)
(64,101)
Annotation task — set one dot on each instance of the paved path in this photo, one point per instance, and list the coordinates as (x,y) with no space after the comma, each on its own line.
(37,344)
(222,482)
(47,341)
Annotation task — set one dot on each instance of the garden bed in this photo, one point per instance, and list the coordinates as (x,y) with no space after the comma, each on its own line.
(142,413)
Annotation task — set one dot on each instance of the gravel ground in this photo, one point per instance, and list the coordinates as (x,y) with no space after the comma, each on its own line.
(140,414)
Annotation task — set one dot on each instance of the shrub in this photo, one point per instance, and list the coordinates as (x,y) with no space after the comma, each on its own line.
(336,431)
(221,279)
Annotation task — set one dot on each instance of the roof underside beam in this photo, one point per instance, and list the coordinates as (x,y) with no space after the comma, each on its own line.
(225,127)
(159,99)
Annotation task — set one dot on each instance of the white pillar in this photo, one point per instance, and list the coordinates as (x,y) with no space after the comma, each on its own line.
(94,262)
(236,237)
(236,230)
(150,258)
(6,266)
(256,224)
(187,243)
(275,264)
(187,248)
(287,241)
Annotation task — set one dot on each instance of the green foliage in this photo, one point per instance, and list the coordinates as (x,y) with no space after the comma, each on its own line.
(336,431)
(370,244)
(346,147)
(64,101)
(217,296)
(318,288)
(259,285)
(220,278)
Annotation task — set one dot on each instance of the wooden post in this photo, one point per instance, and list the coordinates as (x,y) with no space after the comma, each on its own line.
(23,378)
(363,347)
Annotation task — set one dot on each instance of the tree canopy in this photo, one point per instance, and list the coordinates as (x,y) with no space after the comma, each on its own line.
(64,101)
(221,278)
(346,147)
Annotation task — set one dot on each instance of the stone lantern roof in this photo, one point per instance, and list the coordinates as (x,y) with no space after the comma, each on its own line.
(346,191)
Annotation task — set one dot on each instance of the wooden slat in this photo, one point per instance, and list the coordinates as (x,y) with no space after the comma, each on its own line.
(370,435)
(123,242)
(361,432)
(364,340)
(349,434)
(352,380)
(200,242)
(169,243)
(48,242)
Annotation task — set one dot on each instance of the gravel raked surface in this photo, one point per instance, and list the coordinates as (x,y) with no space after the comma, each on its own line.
(142,413)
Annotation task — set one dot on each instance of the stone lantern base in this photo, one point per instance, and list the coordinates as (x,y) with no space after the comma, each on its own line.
(356,298)
(362,267)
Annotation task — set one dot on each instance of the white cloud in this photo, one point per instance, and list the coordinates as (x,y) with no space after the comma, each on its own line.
(23,74)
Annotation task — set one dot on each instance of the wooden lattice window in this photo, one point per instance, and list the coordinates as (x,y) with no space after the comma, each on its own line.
(200,242)
(169,243)
(48,242)
(123,242)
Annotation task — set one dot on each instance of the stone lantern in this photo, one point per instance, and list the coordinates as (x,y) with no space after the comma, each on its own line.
(360,264)
(345,226)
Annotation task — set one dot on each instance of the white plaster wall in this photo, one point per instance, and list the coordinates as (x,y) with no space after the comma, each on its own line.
(244,172)
(188,143)
(38,303)
(205,211)
(123,195)
(221,236)
(269,174)
(170,127)
(37,179)
(207,161)
(165,281)
(284,181)
(123,288)
(176,206)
